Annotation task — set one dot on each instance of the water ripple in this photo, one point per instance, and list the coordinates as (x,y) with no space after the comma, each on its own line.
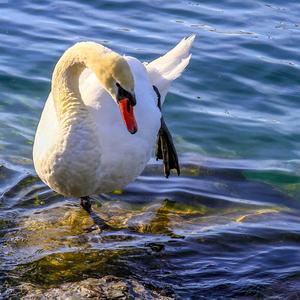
(228,227)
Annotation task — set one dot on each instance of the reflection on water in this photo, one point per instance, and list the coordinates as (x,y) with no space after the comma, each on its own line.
(210,230)
(228,228)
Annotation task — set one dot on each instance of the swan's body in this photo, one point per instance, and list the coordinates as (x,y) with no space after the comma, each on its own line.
(82,146)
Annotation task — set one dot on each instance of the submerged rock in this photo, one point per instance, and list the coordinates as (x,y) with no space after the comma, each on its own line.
(107,287)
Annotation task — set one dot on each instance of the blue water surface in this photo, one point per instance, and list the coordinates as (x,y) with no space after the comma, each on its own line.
(234,116)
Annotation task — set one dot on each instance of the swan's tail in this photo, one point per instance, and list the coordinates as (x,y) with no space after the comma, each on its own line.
(163,70)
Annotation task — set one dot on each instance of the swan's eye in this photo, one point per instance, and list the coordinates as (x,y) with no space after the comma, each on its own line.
(122,94)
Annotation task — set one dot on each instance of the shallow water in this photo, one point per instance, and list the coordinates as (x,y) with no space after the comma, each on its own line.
(229,226)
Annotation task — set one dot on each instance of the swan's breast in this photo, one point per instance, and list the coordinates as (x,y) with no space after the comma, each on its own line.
(67,158)
(99,154)
(124,156)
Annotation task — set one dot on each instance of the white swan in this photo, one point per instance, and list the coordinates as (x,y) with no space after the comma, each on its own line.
(82,146)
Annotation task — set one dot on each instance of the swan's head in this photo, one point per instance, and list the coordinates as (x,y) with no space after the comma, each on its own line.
(119,83)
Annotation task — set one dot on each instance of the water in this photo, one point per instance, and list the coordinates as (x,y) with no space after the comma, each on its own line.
(229,226)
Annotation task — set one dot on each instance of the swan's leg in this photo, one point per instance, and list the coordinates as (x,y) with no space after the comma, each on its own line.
(86,203)
(165,148)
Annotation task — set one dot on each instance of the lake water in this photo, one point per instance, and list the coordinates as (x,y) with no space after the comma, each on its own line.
(228,228)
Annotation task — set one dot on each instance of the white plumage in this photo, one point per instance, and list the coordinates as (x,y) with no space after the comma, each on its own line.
(82,146)
(163,70)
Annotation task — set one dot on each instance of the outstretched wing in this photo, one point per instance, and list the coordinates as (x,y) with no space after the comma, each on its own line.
(163,70)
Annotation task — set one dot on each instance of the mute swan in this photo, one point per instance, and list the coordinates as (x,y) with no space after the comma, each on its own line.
(82,146)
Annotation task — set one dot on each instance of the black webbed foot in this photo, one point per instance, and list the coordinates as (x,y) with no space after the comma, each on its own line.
(165,148)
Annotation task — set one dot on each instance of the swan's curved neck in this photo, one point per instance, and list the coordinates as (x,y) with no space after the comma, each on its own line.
(65,79)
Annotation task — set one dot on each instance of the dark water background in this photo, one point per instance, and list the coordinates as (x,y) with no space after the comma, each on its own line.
(229,227)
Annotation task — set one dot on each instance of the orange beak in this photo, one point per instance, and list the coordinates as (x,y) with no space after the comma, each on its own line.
(126,110)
